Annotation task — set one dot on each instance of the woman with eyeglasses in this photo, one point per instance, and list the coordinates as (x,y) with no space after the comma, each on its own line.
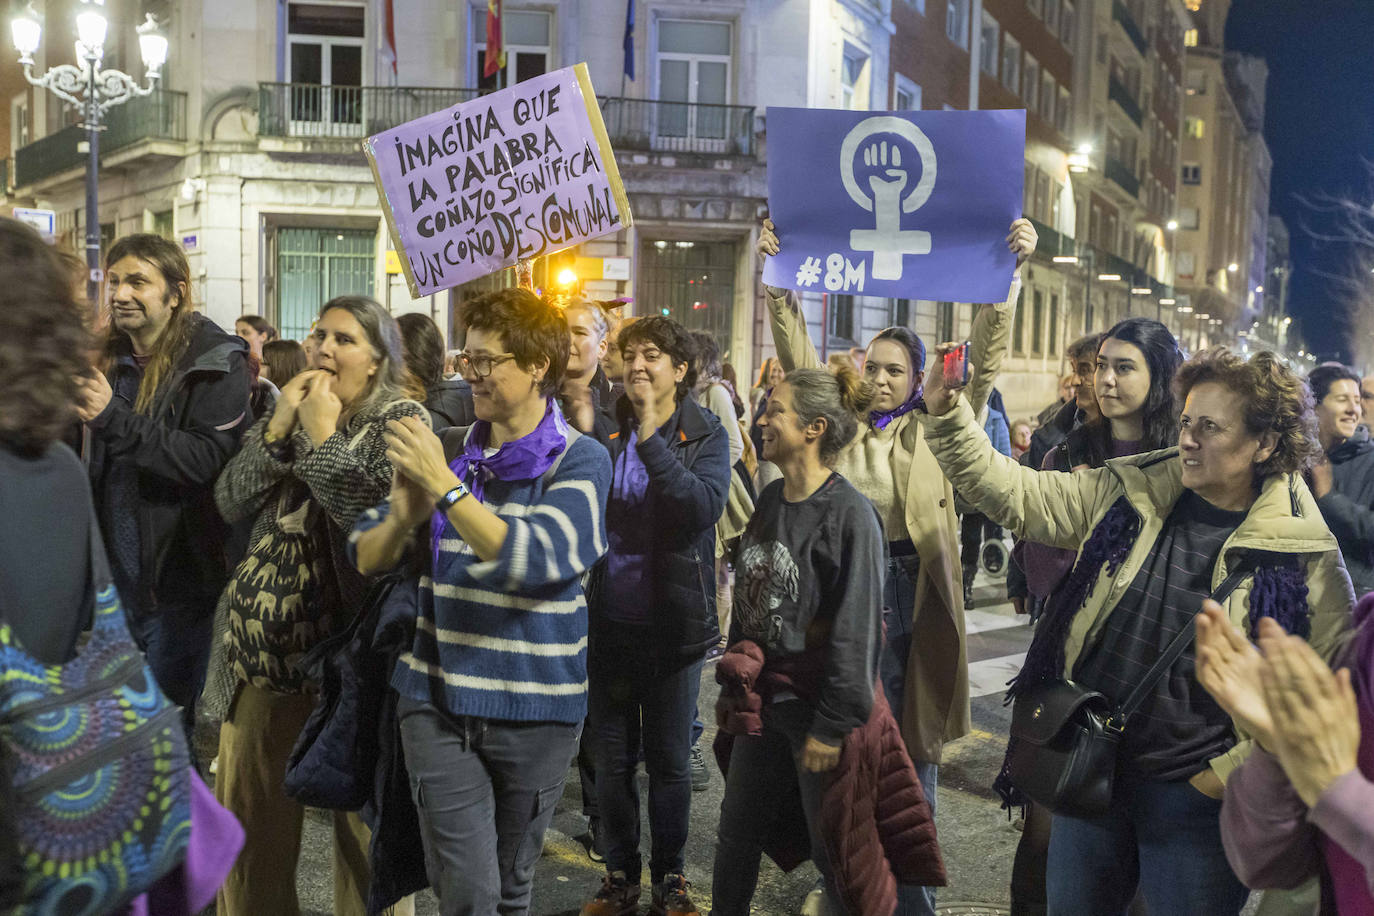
(498,522)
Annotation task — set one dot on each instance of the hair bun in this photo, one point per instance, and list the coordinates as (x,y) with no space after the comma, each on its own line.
(857,394)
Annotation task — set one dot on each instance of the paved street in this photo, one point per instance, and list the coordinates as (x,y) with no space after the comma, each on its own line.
(975,834)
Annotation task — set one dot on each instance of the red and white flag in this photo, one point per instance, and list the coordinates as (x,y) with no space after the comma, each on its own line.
(389,36)
(495,60)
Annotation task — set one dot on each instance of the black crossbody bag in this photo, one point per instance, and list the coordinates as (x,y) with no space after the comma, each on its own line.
(1065,736)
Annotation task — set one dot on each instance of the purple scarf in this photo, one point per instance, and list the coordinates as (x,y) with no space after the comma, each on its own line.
(520,459)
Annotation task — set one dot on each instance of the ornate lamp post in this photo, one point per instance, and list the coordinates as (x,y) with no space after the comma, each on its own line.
(94,91)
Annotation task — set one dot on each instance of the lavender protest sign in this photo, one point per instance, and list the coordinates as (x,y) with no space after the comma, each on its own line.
(512,175)
(907,204)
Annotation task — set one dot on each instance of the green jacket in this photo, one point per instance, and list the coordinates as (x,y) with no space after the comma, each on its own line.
(1063,509)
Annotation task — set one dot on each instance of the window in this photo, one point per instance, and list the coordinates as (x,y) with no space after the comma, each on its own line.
(1018,331)
(987,47)
(1063,114)
(1052,16)
(314,266)
(1056,194)
(694,59)
(1028,190)
(944,321)
(1054,324)
(1190,38)
(1042,194)
(906,95)
(1194,127)
(526,42)
(1188,218)
(1067,24)
(1037,322)
(854,79)
(842,317)
(160,223)
(956,22)
(1036,6)
(1196,82)
(1047,96)
(1011,63)
(900,315)
(918,5)
(20,129)
(1192,173)
(1030,83)
(325,63)
(1187,265)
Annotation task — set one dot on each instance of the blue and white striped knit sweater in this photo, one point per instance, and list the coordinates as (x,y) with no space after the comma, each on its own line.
(507,638)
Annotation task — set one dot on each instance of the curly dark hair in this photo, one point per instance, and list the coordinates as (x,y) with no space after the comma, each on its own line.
(531,328)
(44,342)
(1276,401)
(670,337)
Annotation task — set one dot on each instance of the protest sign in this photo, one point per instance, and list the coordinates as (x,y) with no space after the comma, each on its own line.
(512,175)
(907,204)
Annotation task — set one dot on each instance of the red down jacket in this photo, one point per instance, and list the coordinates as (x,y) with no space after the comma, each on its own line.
(876,823)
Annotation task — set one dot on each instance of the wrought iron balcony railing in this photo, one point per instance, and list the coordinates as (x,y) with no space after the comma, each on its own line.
(679,127)
(160,116)
(308,110)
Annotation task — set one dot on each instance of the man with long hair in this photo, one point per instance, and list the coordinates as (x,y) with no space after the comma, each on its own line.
(165,411)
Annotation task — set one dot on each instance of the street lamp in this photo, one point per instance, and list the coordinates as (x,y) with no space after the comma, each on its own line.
(94,91)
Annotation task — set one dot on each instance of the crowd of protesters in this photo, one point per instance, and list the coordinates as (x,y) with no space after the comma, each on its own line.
(418,597)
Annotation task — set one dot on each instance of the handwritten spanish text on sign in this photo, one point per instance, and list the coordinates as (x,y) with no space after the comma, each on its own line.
(512,175)
(906,204)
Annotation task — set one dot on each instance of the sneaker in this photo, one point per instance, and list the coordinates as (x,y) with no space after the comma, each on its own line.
(594,841)
(701,777)
(671,899)
(617,897)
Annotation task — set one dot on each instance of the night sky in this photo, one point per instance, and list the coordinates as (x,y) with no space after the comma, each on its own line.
(1320,130)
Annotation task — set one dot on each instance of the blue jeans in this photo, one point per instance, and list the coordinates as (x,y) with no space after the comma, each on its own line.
(899,609)
(1164,837)
(637,700)
(176,644)
(762,768)
(485,792)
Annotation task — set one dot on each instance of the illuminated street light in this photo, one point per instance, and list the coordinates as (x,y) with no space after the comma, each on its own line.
(567,277)
(1109,277)
(1232,267)
(1172,225)
(1064,259)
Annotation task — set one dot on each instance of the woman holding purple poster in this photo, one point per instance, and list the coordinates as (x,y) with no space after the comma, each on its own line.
(926,681)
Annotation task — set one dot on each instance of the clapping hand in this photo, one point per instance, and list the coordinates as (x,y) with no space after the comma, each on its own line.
(410,504)
(1228,667)
(1316,732)
(414,450)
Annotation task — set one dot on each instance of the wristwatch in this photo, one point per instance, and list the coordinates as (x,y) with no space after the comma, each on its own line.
(447,501)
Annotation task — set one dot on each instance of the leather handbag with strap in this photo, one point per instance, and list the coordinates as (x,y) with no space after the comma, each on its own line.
(1065,736)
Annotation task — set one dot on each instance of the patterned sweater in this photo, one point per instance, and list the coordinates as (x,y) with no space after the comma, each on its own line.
(507,638)
(347,474)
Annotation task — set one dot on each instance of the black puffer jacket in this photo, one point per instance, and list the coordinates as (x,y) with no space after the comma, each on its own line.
(1349,508)
(450,404)
(178,448)
(688,464)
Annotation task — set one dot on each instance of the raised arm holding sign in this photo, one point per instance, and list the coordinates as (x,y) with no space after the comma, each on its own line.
(507,177)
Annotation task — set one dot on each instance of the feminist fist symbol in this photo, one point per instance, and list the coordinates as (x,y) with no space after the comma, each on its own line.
(884,197)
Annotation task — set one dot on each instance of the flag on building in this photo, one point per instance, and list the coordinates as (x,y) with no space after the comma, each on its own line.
(389,36)
(495,60)
(630,39)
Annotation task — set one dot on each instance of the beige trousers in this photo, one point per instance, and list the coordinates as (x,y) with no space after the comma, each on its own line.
(254,745)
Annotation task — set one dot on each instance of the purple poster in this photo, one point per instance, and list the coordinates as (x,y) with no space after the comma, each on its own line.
(516,174)
(906,204)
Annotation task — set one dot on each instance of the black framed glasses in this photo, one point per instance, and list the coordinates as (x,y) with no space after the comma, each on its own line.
(481,365)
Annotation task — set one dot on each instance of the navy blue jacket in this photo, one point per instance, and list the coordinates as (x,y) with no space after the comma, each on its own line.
(688,464)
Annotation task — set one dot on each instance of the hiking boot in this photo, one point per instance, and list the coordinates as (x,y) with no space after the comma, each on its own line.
(671,899)
(617,897)
(701,777)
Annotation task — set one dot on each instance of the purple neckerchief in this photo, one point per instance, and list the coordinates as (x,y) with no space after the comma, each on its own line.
(520,459)
(880,418)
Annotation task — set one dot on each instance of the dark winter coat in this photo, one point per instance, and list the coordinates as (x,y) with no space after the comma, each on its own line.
(450,404)
(689,478)
(1349,508)
(875,820)
(179,447)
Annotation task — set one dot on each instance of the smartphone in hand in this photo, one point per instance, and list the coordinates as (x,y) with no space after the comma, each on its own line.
(956,367)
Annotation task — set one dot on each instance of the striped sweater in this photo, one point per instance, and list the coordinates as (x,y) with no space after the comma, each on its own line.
(507,638)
